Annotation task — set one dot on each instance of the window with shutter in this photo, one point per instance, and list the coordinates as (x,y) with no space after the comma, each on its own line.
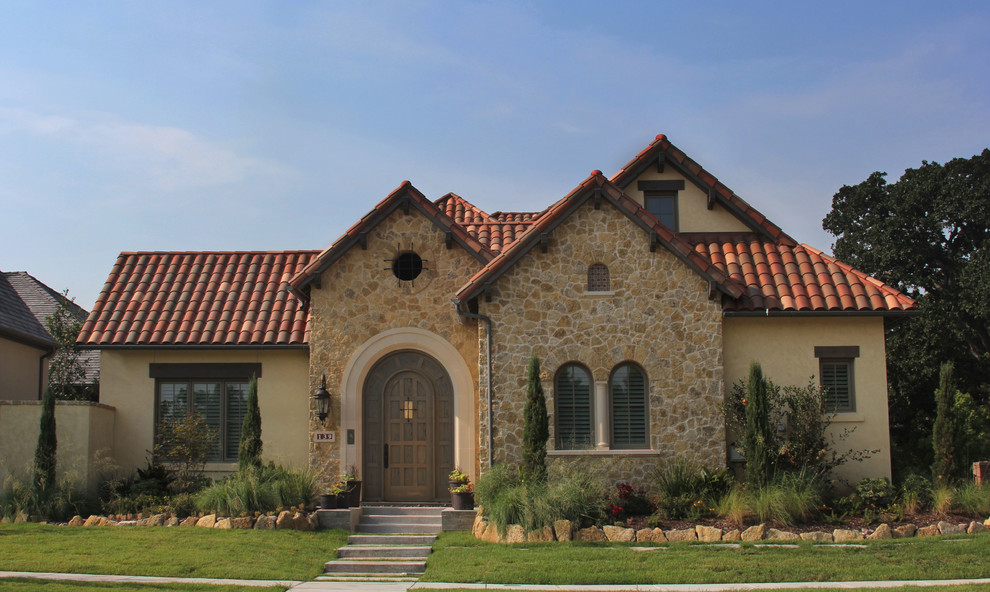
(221,403)
(572,400)
(836,379)
(835,371)
(628,393)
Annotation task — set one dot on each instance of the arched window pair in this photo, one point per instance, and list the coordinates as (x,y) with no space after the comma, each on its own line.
(625,413)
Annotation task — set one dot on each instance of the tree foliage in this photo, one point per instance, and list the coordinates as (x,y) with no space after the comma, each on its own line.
(249,449)
(944,430)
(66,372)
(928,234)
(759,434)
(536,427)
(183,444)
(47,448)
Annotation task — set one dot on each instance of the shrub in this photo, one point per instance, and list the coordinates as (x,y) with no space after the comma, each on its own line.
(183,444)
(875,493)
(759,446)
(262,489)
(630,501)
(249,449)
(45,451)
(945,465)
(687,490)
(182,504)
(916,494)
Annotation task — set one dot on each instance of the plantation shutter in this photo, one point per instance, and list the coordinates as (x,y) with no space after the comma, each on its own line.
(173,401)
(837,383)
(237,394)
(207,402)
(629,407)
(572,394)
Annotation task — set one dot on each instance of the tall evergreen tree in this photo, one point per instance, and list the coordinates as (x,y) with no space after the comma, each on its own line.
(44,453)
(536,427)
(249,450)
(944,430)
(759,436)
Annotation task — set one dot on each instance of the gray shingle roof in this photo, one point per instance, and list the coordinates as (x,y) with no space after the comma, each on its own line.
(25,303)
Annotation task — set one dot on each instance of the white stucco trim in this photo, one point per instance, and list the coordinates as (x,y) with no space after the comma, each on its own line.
(409,338)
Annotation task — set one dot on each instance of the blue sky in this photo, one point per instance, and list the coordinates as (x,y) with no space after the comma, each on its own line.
(253,126)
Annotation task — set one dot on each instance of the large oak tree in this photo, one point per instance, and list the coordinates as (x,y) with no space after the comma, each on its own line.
(928,234)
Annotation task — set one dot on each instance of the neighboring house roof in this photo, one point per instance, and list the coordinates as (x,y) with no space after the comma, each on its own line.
(25,304)
(200,299)
(241,299)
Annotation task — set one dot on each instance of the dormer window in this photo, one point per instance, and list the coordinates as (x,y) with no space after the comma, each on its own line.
(598,278)
(660,199)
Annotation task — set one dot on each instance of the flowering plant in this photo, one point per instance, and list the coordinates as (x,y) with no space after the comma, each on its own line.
(465,487)
(456,475)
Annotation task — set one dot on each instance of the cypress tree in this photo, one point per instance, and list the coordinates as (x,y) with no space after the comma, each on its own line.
(943,432)
(249,450)
(759,433)
(44,453)
(536,427)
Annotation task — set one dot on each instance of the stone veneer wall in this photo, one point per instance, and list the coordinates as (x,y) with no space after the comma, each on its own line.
(657,314)
(361,298)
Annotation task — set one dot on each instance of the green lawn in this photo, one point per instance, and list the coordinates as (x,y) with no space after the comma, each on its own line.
(173,552)
(29,585)
(458,557)
(960,588)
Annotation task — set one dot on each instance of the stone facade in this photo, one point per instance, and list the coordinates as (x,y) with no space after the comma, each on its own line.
(657,314)
(361,298)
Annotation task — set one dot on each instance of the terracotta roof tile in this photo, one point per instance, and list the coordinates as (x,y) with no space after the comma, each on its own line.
(212,298)
(803,278)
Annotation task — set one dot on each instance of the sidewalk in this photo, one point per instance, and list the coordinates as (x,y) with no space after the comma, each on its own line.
(297,586)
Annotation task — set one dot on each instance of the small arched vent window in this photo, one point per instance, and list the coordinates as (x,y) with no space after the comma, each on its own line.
(598,278)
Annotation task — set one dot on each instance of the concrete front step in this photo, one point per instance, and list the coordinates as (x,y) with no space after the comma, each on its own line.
(367,578)
(374,567)
(398,528)
(400,511)
(381,540)
(401,519)
(370,552)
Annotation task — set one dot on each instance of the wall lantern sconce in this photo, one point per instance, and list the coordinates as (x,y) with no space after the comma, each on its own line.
(322,398)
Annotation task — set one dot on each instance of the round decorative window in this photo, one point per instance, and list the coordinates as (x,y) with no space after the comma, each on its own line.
(407,266)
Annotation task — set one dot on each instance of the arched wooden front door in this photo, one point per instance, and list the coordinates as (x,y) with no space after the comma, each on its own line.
(408,429)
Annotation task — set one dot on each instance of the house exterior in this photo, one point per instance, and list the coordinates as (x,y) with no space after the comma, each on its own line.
(644,295)
(25,344)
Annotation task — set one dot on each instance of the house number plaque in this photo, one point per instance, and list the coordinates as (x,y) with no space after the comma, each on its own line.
(323,437)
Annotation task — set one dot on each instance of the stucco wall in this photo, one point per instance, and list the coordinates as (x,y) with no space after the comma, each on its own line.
(84,432)
(692,205)
(785,348)
(657,314)
(283,397)
(360,300)
(19,371)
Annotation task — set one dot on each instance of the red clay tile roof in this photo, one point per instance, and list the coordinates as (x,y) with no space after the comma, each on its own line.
(559,211)
(496,231)
(403,194)
(798,278)
(200,299)
(694,171)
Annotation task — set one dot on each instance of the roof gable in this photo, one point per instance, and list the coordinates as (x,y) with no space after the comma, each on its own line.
(17,320)
(597,188)
(661,153)
(407,197)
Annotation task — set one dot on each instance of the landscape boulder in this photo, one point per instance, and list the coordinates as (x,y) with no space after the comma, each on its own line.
(563,530)
(708,534)
(927,531)
(515,534)
(76,521)
(817,536)
(904,531)
(619,534)
(950,528)
(882,532)
(284,520)
(592,534)
(844,535)
(264,522)
(208,521)
(542,535)
(782,535)
(679,536)
(754,533)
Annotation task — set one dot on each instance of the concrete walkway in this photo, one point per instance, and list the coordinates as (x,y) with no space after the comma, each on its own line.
(297,586)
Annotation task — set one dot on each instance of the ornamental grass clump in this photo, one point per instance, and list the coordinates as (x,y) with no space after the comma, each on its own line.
(258,490)
(973,499)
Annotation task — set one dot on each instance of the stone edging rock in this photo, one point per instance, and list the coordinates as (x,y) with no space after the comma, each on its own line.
(563,530)
(285,520)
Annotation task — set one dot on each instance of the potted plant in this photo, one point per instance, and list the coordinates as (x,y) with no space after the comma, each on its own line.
(461,491)
(352,487)
(332,499)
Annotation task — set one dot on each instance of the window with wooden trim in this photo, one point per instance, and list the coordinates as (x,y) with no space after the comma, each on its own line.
(572,401)
(221,403)
(628,395)
(598,278)
(835,371)
(663,205)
